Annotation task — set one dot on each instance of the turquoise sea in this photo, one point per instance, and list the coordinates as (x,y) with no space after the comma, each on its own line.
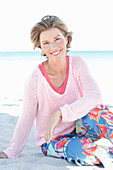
(35,55)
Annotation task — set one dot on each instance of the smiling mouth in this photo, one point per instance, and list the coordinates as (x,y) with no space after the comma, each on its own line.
(56,53)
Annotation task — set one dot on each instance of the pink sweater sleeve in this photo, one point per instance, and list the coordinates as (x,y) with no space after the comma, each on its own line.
(92,95)
(25,121)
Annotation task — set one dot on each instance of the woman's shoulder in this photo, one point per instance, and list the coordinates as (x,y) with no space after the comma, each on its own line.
(34,76)
(77,61)
(76,58)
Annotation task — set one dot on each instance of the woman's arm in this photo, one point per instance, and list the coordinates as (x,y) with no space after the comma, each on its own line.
(25,121)
(92,95)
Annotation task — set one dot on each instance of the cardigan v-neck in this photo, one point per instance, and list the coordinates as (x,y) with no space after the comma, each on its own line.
(61,89)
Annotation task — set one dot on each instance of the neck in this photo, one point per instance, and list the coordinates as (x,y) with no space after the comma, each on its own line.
(57,67)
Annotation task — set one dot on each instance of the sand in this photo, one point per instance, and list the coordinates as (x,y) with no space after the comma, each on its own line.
(31,157)
(11,94)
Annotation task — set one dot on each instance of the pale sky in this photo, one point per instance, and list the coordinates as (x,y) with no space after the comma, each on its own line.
(91,22)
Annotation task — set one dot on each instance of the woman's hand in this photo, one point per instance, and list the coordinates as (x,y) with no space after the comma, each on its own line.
(52,125)
(3,155)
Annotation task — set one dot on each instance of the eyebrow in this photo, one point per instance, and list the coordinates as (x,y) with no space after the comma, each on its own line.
(53,38)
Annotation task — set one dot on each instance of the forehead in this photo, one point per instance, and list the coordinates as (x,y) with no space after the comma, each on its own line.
(50,33)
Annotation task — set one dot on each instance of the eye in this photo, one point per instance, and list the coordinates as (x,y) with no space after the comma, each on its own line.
(57,39)
(45,43)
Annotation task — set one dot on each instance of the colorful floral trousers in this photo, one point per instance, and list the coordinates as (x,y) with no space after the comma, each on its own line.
(80,146)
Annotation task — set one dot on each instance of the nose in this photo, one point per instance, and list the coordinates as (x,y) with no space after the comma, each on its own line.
(52,45)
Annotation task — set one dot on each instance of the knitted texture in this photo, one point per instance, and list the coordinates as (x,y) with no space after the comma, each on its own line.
(41,101)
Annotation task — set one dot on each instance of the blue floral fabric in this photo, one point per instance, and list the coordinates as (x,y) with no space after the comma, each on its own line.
(80,145)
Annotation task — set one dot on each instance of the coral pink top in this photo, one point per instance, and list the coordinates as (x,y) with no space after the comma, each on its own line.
(60,90)
(78,95)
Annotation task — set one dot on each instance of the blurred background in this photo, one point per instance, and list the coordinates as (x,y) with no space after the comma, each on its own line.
(91,24)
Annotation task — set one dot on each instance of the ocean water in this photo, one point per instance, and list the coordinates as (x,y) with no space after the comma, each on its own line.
(35,55)
(15,68)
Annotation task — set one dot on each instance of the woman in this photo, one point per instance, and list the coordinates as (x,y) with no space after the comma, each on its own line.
(65,101)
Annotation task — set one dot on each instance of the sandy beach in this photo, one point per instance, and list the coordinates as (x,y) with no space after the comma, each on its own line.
(13,76)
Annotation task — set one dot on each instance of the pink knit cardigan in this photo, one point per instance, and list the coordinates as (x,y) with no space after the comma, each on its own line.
(41,101)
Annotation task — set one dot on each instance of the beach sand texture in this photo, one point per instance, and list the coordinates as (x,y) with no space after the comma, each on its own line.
(13,76)
(31,157)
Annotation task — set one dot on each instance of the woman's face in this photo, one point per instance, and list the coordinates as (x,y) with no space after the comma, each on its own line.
(53,43)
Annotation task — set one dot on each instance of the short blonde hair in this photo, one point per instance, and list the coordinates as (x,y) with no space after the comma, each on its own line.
(48,22)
